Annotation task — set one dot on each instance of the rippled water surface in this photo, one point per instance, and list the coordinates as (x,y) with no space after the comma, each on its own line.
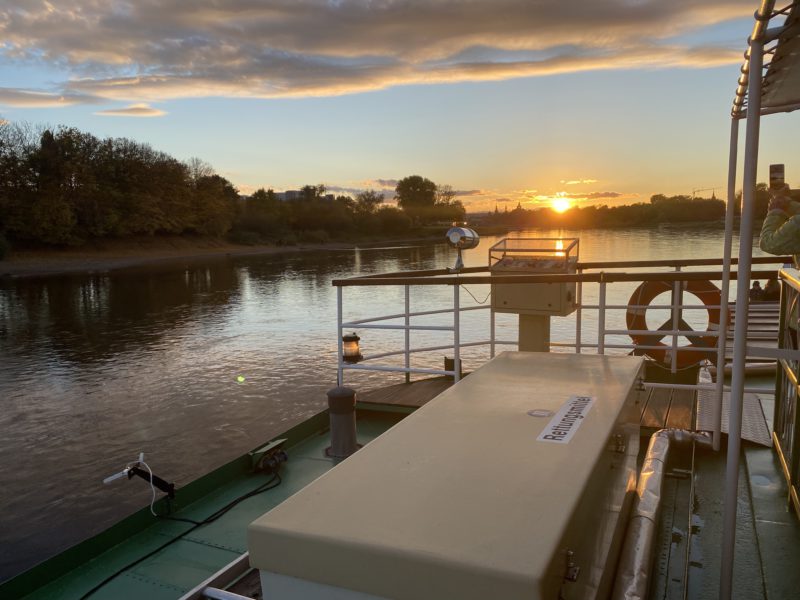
(96,368)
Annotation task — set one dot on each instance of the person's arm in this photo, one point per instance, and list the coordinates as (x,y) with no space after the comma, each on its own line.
(780,233)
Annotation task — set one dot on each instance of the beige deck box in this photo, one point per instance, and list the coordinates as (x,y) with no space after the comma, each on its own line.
(510,484)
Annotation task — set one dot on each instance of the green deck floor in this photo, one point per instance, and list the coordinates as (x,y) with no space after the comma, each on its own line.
(767,554)
(178,568)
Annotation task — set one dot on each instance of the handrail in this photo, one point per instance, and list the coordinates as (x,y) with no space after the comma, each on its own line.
(686,262)
(792,277)
(601,277)
(618,264)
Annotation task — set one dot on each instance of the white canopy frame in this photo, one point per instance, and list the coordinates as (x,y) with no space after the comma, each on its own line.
(758,93)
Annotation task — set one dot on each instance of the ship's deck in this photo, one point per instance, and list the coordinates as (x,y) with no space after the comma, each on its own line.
(687,565)
(179,567)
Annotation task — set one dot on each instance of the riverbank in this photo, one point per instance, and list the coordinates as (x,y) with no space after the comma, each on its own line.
(112,255)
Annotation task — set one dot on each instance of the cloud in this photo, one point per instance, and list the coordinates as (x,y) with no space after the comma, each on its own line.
(578,181)
(470,192)
(20,98)
(380,183)
(134,110)
(597,195)
(151,50)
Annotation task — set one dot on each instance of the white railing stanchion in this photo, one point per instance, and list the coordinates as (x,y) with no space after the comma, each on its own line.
(456,334)
(601,320)
(677,288)
(408,333)
(579,300)
(724,311)
(491,333)
(740,328)
(339,362)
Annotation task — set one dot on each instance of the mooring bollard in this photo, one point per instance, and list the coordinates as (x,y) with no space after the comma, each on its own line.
(342,411)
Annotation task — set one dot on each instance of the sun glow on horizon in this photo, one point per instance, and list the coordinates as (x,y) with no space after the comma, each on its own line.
(561,204)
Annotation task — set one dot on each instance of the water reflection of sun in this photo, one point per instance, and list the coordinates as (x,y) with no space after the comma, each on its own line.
(561,204)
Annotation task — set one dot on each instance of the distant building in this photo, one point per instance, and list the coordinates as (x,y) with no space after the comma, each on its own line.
(288,195)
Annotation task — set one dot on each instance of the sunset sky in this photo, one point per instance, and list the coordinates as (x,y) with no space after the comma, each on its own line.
(600,101)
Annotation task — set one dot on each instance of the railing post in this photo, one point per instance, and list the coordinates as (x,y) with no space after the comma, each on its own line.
(408,333)
(722,340)
(579,300)
(456,334)
(740,328)
(601,320)
(339,361)
(677,300)
(491,332)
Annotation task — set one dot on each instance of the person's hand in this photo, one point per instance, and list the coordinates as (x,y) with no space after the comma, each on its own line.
(779,198)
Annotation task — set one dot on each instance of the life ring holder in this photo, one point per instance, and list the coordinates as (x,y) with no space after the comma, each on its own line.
(643,295)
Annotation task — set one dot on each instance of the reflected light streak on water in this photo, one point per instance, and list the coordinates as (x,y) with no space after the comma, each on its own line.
(96,368)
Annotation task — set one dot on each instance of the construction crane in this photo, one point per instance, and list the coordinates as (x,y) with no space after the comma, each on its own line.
(713,189)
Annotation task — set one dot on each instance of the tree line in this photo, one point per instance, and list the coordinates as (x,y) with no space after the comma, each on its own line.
(660,209)
(314,217)
(63,187)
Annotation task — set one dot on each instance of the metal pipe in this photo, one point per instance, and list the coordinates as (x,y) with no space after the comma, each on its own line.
(420,327)
(218,594)
(492,341)
(636,559)
(578,314)
(408,333)
(676,316)
(726,280)
(760,27)
(340,360)
(416,314)
(456,334)
(544,278)
(740,330)
(601,320)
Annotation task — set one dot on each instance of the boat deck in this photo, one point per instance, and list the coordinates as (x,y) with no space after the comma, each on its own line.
(662,408)
(767,533)
(687,565)
(179,567)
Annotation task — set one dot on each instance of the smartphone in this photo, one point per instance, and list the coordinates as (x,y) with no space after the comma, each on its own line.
(776,177)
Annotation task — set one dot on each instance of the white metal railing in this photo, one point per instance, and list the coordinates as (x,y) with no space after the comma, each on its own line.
(603,339)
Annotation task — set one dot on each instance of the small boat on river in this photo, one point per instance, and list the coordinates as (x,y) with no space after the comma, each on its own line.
(602,459)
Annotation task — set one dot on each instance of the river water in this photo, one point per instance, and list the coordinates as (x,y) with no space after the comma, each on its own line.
(194,364)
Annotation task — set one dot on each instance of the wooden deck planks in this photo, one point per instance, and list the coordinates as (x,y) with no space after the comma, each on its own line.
(413,394)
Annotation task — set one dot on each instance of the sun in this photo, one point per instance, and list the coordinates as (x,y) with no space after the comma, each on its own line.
(561,205)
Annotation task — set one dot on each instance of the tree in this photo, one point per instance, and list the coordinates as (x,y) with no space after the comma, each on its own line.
(414,194)
(445,194)
(367,202)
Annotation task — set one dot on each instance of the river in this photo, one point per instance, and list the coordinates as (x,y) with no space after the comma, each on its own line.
(194,364)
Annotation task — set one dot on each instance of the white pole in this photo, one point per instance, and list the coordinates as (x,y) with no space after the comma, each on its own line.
(601,320)
(491,333)
(408,333)
(339,362)
(742,307)
(677,300)
(726,283)
(456,334)
(578,319)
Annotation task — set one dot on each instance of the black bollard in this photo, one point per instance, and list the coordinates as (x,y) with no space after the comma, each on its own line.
(342,411)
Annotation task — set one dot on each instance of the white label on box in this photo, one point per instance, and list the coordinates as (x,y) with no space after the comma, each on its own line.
(567,420)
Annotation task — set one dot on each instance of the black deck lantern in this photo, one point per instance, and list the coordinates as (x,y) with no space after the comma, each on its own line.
(350,350)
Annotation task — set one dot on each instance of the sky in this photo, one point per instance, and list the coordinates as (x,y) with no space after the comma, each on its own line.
(507,101)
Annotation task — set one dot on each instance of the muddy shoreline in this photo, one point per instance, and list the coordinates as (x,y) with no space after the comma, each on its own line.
(116,255)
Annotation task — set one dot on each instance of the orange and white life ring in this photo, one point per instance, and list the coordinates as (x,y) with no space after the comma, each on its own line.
(643,295)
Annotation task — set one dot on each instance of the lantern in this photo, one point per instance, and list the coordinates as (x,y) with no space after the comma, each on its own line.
(350,351)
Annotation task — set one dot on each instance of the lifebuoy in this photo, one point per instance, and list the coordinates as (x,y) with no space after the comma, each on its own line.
(643,295)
